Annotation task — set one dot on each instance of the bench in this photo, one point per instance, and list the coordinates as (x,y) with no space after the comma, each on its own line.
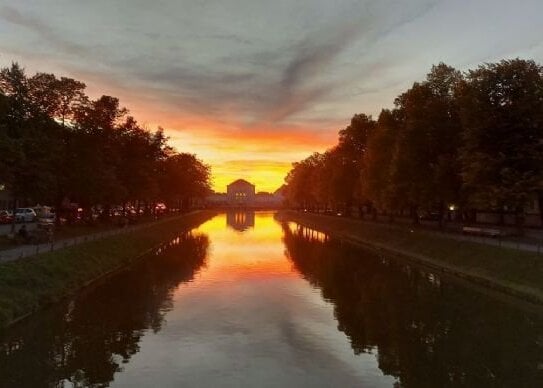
(482,231)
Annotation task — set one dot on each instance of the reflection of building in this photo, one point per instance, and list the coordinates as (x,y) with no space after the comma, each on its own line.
(240,220)
(240,193)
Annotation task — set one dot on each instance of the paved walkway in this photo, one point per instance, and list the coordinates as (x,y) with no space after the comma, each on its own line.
(456,234)
(6,228)
(28,250)
(503,242)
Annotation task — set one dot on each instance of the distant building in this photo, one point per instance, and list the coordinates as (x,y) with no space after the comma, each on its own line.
(240,193)
(217,199)
(268,200)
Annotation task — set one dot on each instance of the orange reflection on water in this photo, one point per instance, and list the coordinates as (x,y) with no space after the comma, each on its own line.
(256,252)
(307,233)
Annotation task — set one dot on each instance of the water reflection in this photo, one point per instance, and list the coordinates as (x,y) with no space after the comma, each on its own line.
(278,305)
(85,342)
(426,332)
(240,220)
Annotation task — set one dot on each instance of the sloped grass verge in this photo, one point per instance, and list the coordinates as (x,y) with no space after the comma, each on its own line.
(514,272)
(28,284)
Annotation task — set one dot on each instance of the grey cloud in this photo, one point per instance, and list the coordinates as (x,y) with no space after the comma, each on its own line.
(267,96)
(36,25)
(297,87)
(215,60)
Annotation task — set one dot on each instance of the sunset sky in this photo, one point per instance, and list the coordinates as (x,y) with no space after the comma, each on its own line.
(251,86)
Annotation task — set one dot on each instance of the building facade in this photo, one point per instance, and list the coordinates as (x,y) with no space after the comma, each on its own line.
(240,193)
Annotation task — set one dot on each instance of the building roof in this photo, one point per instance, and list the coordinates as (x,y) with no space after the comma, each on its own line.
(240,182)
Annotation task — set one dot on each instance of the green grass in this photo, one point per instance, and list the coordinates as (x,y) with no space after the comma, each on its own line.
(6,243)
(28,284)
(518,270)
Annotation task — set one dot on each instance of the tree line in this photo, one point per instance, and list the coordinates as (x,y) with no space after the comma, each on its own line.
(456,140)
(58,145)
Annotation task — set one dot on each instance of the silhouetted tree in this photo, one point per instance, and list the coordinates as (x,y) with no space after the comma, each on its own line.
(184,177)
(472,140)
(57,145)
(502,152)
(375,183)
(425,167)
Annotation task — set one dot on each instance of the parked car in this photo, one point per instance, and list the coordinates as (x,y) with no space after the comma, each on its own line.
(6,217)
(25,214)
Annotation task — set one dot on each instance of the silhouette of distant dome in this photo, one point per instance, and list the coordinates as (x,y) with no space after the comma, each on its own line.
(240,182)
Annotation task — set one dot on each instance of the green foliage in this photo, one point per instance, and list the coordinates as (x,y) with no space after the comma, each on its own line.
(375,181)
(502,114)
(424,169)
(184,176)
(57,145)
(473,139)
(330,180)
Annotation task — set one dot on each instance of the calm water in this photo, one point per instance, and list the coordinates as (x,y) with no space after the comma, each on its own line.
(245,301)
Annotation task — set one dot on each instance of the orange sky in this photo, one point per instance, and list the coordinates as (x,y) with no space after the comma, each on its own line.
(261,153)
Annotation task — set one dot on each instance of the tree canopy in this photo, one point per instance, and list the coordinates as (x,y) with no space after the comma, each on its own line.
(58,145)
(472,140)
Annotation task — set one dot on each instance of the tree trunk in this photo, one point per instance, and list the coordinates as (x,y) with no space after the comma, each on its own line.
(58,212)
(14,209)
(441,214)
(391,217)
(138,208)
(348,208)
(540,206)
(415,215)
(105,213)
(519,220)
(501,219)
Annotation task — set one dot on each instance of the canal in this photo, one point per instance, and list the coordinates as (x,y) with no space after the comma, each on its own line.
(247,301)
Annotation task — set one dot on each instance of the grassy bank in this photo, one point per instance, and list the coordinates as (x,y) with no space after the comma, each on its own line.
(512,271)
(28,284)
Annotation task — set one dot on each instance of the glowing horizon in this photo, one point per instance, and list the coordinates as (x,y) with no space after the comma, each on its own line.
(262,155)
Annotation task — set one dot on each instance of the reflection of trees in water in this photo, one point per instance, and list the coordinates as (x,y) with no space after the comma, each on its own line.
(427,332)
(87,340)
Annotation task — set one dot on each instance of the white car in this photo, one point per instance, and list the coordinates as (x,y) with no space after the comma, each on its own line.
(25,214)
